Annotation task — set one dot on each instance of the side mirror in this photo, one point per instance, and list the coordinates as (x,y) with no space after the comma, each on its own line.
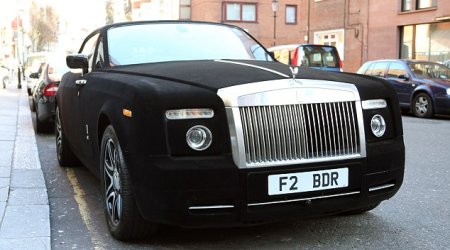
(404,77)
(78,61)
(34,75)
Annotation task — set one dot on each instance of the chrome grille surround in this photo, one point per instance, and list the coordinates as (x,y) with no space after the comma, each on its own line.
(285,122)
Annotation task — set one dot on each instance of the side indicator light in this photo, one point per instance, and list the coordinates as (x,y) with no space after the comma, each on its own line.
(127,113)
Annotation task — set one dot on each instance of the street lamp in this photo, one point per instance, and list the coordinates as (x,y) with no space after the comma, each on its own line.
(275,5)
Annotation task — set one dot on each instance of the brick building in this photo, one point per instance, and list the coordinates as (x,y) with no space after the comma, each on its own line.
(360,29)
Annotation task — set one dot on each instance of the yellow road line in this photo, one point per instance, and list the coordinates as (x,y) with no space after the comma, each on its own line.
(83,207)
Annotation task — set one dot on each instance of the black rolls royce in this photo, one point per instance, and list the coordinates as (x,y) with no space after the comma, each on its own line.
(194,124)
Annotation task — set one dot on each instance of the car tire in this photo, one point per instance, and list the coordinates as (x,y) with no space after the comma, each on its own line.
(122,215)
(66,157)
(422,106)
(362,209)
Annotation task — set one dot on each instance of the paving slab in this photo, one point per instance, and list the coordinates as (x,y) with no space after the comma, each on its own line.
(4,192)
(7,131)
(42,243)
(6,152)
(2,211)
(26,155)
(27,178)
(28,196)
(5,171)
(25,222)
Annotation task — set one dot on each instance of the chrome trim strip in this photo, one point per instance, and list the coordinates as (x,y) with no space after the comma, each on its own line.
(210,207)
(303,199)
(254,66)
(374,104)
(381,187)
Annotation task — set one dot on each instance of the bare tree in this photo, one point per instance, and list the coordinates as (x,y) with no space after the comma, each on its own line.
(127,10)
(109,8)
(44,27)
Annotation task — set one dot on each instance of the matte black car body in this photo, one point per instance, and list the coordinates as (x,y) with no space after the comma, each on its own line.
(174,184)
(411,87)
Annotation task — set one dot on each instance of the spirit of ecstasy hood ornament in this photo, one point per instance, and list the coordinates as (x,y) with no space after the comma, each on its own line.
(294,71)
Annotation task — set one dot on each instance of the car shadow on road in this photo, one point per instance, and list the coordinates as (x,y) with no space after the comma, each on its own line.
(328,232)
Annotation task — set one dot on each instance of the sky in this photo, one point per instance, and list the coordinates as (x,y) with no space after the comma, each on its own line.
(77,17)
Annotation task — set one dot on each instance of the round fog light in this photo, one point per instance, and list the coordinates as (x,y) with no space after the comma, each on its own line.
(199,137)
(378,125)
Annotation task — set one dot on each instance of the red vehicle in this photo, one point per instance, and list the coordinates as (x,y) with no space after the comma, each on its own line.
(324,57)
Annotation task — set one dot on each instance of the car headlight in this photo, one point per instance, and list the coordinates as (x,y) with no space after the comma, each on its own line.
(199,137)
(183,114)
(448,91)
(378,125)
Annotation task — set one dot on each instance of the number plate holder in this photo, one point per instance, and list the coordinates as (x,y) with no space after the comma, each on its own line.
(307,181)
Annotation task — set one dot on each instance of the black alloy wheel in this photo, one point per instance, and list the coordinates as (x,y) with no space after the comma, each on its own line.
(63,151)
(122,215)
(422,106)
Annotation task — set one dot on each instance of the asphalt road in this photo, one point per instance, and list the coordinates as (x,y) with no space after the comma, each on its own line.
(418,217)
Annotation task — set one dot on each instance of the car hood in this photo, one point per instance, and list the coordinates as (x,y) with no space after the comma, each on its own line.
(442,82)
(217,74)
(212,74)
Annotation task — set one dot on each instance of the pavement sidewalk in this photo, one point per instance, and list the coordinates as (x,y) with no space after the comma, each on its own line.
(24,207)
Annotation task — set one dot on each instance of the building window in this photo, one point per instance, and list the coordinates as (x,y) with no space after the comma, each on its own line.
(291,14)
(406,5)
(240,12)
(185,9)
(425,42)
(424,4)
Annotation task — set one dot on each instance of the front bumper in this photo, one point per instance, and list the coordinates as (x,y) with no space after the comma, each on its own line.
(213,192)
(442,105)
(46,109)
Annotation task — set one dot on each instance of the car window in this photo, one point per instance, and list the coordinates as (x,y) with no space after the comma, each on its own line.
(428,70)
(148,43)
(396,69)
(100,58)
(318,56)
(56,71)
(284,55)
(88,49)
(364,68)
(378,69)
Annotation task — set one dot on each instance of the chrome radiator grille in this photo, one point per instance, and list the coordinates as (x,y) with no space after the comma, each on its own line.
(299,132)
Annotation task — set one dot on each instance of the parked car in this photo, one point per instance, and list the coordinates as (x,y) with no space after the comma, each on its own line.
(194,124)
(423,87)
(34,64)
(324,57)
(43,98)
(446,63)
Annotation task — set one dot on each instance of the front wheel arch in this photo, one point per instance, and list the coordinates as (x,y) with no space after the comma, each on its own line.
(123,217)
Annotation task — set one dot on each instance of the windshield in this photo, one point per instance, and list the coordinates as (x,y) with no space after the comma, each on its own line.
(318,56)
(430,70)
(56,70)
(148,43)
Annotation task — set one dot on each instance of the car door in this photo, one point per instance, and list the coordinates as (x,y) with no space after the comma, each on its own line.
(401,80)
(75,123)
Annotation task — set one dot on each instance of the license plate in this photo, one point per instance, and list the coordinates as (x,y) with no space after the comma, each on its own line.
(308,181)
